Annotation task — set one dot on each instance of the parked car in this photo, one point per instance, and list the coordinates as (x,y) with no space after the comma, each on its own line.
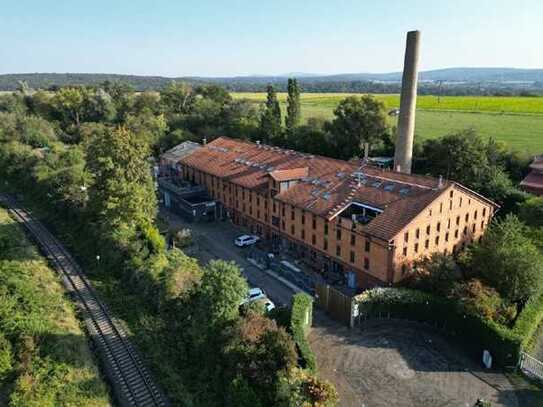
(268,304)
(246,240)
(254,294)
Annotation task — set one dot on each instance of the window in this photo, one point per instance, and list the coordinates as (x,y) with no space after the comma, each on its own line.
(467,217)
(352,256)
(439,226)
(460,202)
(303,218)
(274,207)
(292,214)
(325,244)
(417,233)
(406,237)
(258,214)
(314,222)
(353,240)
(447,236)
(484,212)
(428,229)
(292,230)
(437,240)
(473,228)
(427,244)
(449,223)
(338,234)
(250,197)
(283,210)
(303,234)
(482,224)
(367,246)
(416,247)
(451,194)
(457,220)
(258,200)
(366,263)
(326,228)
(441,207)
(475,215)
(338,250)
(465,230)
(456,234)
(405,251)
(314,239)
(450,204)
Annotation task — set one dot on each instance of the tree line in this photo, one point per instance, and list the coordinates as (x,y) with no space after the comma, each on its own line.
(53,82)
(80,157)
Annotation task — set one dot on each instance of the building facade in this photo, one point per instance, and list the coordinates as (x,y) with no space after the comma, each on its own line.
(347,218)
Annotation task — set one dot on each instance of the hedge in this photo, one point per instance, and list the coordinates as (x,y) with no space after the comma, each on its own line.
(529,320)
(473,332)
(301,305)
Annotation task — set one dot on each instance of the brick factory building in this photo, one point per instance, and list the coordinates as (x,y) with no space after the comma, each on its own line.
(336,215)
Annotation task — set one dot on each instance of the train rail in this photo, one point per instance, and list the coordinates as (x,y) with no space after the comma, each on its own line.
(131,382)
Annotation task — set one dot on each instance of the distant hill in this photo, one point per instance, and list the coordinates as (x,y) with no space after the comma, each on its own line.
(459,80)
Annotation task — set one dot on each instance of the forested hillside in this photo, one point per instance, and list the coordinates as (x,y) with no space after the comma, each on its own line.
(454,81)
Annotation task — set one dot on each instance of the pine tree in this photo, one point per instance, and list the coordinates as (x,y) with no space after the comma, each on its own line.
(292,120)
(270,122)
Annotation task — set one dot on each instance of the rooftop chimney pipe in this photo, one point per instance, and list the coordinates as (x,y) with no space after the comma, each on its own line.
(408,103)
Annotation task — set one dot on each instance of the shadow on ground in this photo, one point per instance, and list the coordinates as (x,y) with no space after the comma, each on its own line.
(405,364)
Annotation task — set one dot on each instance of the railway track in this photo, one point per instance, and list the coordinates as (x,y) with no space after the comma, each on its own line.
(130,380)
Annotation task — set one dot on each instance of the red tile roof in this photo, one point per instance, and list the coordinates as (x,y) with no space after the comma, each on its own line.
(537,165)
(533,180)
(326,186)
(286,175)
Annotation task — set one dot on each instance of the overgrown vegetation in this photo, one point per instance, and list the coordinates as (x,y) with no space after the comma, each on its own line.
(92,182)
(45,358)
(495,288)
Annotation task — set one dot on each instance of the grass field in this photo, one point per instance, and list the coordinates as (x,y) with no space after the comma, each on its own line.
(517,121)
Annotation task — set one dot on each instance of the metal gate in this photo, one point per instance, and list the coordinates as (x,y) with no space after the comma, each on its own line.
(531,365)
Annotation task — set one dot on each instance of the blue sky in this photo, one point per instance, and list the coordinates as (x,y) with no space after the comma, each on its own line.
(239,37)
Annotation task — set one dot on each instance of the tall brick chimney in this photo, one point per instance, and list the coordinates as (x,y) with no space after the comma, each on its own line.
(408,102)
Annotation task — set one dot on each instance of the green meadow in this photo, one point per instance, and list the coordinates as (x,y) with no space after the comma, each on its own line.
(517,121)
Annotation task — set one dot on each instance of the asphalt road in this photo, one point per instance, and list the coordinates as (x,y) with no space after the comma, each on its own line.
(215,240)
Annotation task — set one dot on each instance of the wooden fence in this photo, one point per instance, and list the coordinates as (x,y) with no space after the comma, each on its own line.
(336,304)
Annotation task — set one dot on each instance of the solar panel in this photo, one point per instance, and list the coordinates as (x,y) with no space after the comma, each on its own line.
(389,187)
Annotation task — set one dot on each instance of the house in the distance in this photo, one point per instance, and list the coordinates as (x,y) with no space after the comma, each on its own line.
(338,216)
(534,180)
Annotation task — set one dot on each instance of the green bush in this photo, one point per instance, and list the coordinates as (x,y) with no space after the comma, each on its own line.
(529,320)
(302,308)
(473,332)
